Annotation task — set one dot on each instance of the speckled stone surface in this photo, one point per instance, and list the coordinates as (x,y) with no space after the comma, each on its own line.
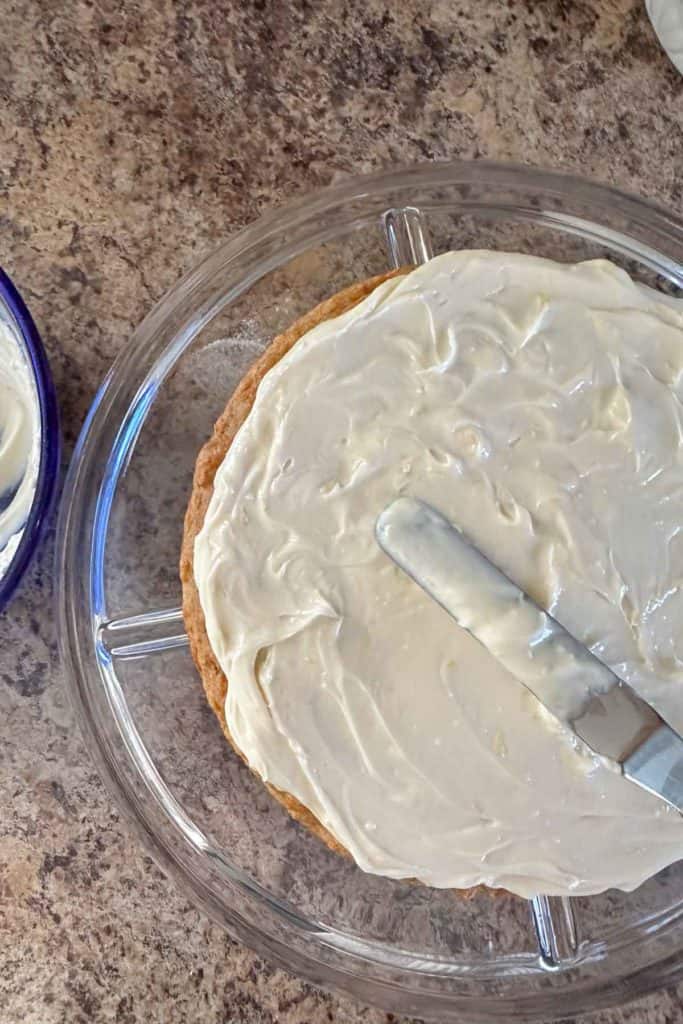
(133,137)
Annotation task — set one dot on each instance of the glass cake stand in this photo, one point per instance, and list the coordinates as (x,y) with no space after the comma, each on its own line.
(205,818)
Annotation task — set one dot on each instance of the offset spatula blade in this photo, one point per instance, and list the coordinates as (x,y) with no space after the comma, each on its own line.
(657,765)
(608,716)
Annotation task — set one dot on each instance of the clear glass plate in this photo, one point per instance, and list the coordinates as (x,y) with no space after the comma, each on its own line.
(206,819)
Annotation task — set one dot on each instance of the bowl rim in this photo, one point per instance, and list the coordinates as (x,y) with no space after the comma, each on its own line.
(655,221)
(50,444)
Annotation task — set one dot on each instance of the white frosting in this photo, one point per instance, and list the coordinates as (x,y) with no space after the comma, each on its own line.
(19,443)
(531,645)
(539,407)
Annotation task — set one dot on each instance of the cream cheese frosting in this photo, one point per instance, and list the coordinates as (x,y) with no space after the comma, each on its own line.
(539,407)
(19,443)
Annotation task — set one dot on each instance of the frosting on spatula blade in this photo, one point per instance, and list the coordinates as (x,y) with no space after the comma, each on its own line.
(532,646)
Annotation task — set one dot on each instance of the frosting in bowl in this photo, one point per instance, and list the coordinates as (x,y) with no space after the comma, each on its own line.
(667,20)
(19,443)
(539,407)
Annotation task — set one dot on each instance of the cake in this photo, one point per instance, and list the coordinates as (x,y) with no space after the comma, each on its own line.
(538,405)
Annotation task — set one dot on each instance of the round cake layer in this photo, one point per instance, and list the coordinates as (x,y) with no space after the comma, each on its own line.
(538,406)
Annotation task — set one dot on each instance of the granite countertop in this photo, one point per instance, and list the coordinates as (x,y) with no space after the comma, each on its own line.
(133,137)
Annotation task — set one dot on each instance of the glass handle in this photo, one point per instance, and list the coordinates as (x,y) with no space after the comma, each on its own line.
(137,636)
(556,930)
(407,237)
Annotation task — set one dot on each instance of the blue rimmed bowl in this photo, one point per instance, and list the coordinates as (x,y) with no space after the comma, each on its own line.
(15,316)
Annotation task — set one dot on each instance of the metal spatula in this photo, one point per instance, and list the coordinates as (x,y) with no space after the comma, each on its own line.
(611,718)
